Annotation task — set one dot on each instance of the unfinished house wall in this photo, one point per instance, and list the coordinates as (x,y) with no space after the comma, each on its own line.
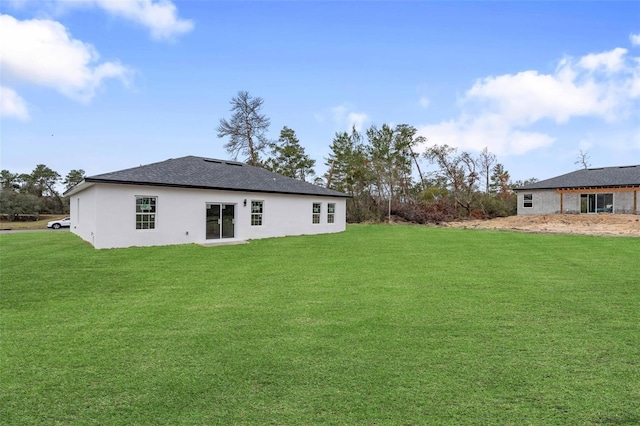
(538,201)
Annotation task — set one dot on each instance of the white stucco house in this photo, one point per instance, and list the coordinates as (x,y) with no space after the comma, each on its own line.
(595,190)
(199,200)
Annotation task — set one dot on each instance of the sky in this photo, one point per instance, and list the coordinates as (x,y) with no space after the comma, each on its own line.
(105,85)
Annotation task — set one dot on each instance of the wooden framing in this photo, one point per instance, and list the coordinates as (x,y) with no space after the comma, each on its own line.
(600,190)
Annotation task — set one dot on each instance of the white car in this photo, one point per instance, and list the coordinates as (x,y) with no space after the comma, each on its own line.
(60,223)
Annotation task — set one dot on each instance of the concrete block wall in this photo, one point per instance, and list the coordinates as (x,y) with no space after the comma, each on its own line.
(623,202)
(544,201)
(547,201)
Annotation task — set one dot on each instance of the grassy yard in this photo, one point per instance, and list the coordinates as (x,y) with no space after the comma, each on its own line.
(30,225)
(380,325)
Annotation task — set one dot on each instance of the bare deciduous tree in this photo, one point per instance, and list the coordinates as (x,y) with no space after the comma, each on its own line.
(458,171)
(246,128)
(486,160)
(583,159)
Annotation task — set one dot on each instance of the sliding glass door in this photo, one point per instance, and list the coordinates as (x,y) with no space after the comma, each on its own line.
(596,203)
(220,221)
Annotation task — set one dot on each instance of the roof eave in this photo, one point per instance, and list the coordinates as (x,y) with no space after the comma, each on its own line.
(585,187)
(172,185)
(84,184)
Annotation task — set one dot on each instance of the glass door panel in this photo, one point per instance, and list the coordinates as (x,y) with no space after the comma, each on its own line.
(228,220)
(584,203)
(214,221)
(592,203)
(605,203)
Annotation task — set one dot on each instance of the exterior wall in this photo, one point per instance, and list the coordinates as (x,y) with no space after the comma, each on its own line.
(547,201)
(623,202)
(82,210)
(571,202)
(181,215)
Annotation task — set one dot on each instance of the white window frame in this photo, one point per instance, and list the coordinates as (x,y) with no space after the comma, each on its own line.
(257,217)
(331,212)
(315,216)
(146,217)
(527,199)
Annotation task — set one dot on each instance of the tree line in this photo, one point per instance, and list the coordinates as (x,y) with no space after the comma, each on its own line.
(379,168)
(382,169)
(35,193)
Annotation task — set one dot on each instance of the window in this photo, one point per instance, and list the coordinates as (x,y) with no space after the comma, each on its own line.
(528,200)
(596,203)
(145,212)
(256,213)
(331,213)
(316,213)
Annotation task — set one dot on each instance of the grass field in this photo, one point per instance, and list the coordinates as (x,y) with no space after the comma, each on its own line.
(380,325)
(30,225)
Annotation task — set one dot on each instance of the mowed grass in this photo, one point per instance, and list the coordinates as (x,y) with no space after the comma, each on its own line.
(30,225)
(380,325)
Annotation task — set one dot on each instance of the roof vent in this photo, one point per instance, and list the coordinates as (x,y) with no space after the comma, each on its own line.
(627,167)
(598,168)
(212,160)
(233,163)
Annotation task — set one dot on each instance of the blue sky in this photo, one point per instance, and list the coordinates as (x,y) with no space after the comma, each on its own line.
(104,85)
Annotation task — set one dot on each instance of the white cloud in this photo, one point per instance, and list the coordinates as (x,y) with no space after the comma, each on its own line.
(612,61)
(486,130)
(635,39)
(586,143)
(12,105)
(43,53)
(160,17)
(499,112)
(339,112)
(424,102)
(357,120)
(527,97)
(346,119)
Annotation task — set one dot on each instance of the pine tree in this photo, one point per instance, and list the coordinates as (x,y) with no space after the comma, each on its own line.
(289,158)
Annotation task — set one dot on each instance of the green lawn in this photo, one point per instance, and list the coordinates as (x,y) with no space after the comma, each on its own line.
(380,325)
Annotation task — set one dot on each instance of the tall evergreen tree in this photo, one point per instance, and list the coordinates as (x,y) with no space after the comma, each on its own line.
(73,178)
(10,181)
(41,182)
(289,158)
(347,163)
(391,155)
(500,181)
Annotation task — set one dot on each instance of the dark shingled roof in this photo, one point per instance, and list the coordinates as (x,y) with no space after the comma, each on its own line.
(209,173)
(591,178)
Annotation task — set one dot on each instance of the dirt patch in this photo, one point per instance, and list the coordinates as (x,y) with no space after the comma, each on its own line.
(587,224)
